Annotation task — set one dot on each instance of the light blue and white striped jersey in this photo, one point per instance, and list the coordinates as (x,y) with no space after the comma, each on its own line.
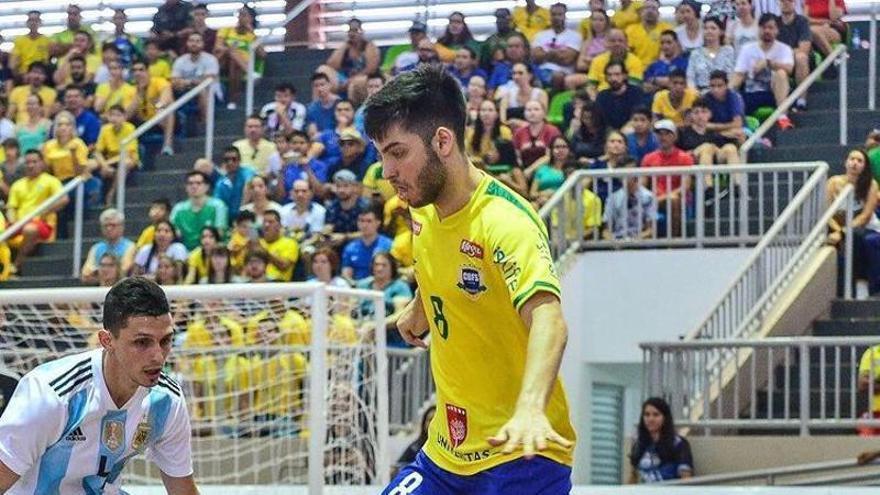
(62,433)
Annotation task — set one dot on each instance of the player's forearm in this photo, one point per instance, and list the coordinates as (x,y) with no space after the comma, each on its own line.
(547,338)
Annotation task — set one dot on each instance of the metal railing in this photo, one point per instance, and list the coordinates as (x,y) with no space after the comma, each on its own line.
(76,183)
(411,387)
(728,205)
(252,52)
(122,171)
(838,53)
(787,383)
(841,471)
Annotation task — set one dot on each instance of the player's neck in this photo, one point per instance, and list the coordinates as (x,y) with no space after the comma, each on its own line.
(460,186)
(120,388)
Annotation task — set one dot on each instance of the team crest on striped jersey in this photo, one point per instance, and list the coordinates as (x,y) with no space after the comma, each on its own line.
(141,435)
(113,435)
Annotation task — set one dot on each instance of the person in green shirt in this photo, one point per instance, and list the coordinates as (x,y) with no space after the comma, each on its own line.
(872,146)
(62,41)
(198,211)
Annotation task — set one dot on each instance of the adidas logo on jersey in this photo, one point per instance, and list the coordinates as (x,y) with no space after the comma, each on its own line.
(76,435)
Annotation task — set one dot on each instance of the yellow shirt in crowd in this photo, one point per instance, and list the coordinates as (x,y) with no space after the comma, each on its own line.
(59,158)
(646,44)
(596,74)
(156,87)
(26,194)
(663,105)
(30,50)
(531,24)
(285,248)
(109,140)
(19,95)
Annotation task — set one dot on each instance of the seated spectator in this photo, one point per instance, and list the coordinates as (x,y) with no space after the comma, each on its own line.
(82,47)
(516,52)
(25,195)
(533,141)
(31,47)
(530,19)
(550,175)
(171,18)
(456,36)
(743,27)
(199,210)
(157,64)
(728,110)
(114,242)
(109,54)
(67,156)
(88,125)
(257,191)
(708,147)
(492,49)
(869,371)
(689,29)
(326,145)
(62,41)
(627,14)
(586,132)
(115,92)
(408,59)
(33,131)
(592,46)
(386,279)
(197,24)
(199,261)
(585,28)
(675,102)
(219,267)
(556,49)
(613,157)
(255,266)
(296,165)
(254,148)
(658,452)
(325,268)
(303,218)
(644,36)
(343,210)
(229,188)
(282,251)
(285,114)
(794,31)
(357,156)
(642,139)
(762,71)
(522,91)
(243,236)
(489,142)
(375,82)
(160,209)
(712,56)
(617,51)
(109,271)
(668,189)
(630,211)
(465,66)
(232,49)
(127,44)
(865,224)
(146,261)
(12,167)
(353,61)
(475,94)
(109,146)
(826,24)
(152,94)
(34,85)
(615,104)
(671,58)
(320,112)
(359,252)
(168,271)
(191,68)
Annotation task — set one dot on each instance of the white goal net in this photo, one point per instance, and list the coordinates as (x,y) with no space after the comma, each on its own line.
(287,384)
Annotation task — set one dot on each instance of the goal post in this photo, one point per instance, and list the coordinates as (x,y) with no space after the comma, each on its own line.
(286,383)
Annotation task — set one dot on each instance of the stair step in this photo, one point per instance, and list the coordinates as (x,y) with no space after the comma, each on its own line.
(838,328)
(868,309)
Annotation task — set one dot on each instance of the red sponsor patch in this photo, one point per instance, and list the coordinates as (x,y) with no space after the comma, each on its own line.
(416,227)
(456,421)
(471,249)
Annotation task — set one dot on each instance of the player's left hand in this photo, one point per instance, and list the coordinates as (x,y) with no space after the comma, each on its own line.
(530,429)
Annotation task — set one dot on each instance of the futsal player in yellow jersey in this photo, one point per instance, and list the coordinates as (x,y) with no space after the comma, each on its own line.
(489,296)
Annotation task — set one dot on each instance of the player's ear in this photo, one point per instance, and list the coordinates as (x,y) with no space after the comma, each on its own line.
(443,142)
(105,339)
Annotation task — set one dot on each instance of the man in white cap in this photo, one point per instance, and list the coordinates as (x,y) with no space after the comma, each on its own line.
(668,189)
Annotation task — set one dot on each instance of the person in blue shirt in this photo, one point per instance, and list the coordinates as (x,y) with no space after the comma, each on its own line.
(229,188)
(728,109)
(357,255)
(516,52)
(298,165)
(320,112)
(658,452)
(642,139)
(88,125)
(672,57)
(465,66)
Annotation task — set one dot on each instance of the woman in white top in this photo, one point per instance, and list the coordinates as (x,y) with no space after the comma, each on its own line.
(710,57)
(744,29)
(257,190)
(146,261)
(513,103)
(690,31)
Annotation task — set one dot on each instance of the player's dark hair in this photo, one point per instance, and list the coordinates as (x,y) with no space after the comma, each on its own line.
(76,58)
(35,152)
(406,100)
(665,444)
(130,297)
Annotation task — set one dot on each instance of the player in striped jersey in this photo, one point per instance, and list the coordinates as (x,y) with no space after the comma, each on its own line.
(73,423)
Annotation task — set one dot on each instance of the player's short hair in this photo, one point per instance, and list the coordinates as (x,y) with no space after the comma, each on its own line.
(131,297)
(405,101)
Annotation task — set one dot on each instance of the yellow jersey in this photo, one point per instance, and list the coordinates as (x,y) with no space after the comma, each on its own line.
(27,194)
(229,36)
(475,269)
(626,16)
(375,183)
(30,50)
(211,380)
(646,44)
(5,253)
(531,24)
(663,106)
(866,368)
(155,88)
(59,158)
(197,263)
(596,74)
(160,68)
(146,236)
(286,249)
(109,141)
(123,95)
(19,95)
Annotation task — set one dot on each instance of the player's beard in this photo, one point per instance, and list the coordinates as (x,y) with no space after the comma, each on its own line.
(431,180)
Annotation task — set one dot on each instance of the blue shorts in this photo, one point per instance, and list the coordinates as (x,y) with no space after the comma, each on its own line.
(539,476)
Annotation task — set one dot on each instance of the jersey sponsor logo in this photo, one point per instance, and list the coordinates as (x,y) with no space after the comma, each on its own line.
(471,248)
(456,423)
(76,435)
(141,435)
(112,435)
(509,268)
(472,456)
(416,227)
(470,280)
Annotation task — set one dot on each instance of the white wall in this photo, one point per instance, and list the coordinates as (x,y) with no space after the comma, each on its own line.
(613,300)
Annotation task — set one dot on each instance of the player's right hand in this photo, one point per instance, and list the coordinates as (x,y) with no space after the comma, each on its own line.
(413,324)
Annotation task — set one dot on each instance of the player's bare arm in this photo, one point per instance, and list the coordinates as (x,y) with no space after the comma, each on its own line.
(529,426)
(412,322)
(7,478)
(180,486)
